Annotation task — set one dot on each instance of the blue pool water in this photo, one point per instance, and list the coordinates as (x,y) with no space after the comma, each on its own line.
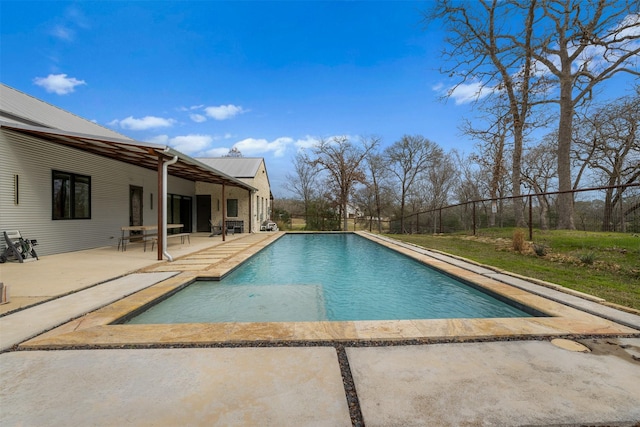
(338,277)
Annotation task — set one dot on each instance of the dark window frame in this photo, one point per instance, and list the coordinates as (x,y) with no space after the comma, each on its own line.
(74,180)
(237,208)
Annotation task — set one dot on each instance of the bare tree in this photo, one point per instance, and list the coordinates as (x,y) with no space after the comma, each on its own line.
(406,160)
(612,149)
(491,156)
(484,54)
(582,44)
(377,174)
(470,179)
(343,160)
(539,170)
(438,181)
(471,182)
(234,152)
(564,47)
(304,183)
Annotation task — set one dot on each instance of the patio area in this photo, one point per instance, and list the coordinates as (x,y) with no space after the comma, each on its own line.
(55,275)
(278,374)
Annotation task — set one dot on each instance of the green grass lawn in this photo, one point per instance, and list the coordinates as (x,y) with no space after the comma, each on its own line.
(606,265)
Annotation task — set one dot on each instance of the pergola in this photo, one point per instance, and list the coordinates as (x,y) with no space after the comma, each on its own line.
(142,154)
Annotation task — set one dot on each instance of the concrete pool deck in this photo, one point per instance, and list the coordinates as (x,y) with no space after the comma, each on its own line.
(521,379)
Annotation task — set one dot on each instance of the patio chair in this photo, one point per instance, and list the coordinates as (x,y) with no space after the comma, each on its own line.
(17,247)
(231,228)
(215,229)
(272,226)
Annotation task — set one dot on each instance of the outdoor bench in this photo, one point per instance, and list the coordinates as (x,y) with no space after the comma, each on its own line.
(182,237)
(139,238)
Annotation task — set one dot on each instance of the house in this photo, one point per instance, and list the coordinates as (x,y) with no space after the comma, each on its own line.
(72,184)
(253,172)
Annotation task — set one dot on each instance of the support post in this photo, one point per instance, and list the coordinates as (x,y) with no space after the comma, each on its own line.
(251,210)
(474,217)
(224,215)
(160,199)
(530,218)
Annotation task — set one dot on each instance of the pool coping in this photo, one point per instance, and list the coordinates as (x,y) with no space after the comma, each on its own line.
(569,318)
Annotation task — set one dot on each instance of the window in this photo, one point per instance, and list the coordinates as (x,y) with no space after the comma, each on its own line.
(71,196)
(232,207)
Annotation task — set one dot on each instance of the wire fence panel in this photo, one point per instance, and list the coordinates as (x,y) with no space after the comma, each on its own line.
(615,209)
(611,209)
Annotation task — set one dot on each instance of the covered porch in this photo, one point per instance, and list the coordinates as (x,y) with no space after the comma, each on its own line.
(162,160)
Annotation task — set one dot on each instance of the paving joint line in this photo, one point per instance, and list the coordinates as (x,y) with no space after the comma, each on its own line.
(349,385)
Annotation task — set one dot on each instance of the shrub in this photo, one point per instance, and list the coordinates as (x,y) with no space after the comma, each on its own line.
(540,249)
(587,257)
(518,240)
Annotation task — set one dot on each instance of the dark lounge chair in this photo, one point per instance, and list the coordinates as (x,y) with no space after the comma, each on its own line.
(17,247)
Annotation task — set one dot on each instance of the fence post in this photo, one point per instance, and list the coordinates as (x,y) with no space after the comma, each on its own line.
(530,218)
(474,217)
(440,219)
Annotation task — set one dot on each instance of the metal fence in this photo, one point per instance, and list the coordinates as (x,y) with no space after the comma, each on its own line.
(614,208)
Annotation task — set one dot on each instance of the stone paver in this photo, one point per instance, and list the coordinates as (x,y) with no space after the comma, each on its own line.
(497,383)
(24,324)
(174,387)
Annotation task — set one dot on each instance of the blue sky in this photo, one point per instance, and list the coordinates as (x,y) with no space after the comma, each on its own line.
(265,77)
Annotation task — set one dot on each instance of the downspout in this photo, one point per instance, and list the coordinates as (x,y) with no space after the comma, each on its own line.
(165,167)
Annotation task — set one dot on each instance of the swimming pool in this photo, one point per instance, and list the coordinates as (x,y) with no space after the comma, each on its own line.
(335,277)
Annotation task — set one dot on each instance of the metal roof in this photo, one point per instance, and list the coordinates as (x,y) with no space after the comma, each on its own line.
(240,167)
(18,107)
(126,150)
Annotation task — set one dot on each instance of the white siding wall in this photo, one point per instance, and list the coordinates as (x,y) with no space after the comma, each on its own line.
(261,183)
(34,159)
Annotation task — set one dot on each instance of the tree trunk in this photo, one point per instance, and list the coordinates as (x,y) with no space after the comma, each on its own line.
(516,174)
(607,219)
(345,214)
(402,206)
(544,209)
(565,125)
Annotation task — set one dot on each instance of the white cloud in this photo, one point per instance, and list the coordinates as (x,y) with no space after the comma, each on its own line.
(63,33)
(191,144)
(224,112)
(76,17)
(159,139)
(469,92)
(307,142)
(464,93)
(147,122)
(194,145)
(58,83)
(197,145)
(252,146)
(198,118)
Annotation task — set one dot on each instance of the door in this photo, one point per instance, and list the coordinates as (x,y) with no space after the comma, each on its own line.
(203,212)
(135,207)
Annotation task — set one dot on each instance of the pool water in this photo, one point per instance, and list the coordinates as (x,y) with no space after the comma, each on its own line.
(335,277)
